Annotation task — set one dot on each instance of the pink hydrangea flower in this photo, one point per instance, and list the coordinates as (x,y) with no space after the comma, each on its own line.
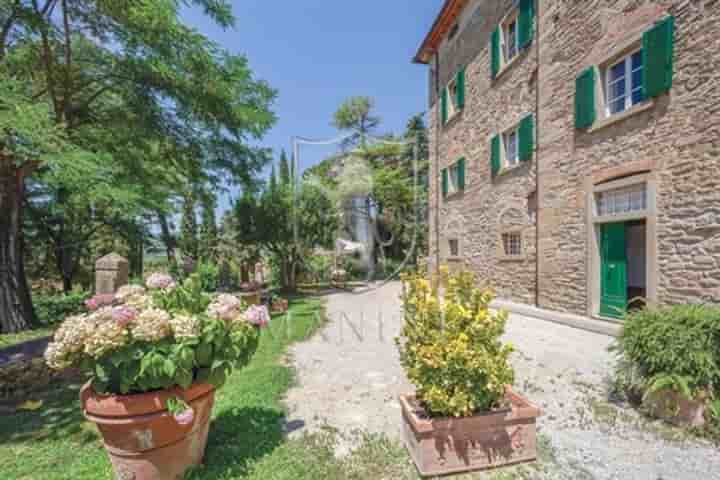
(124,315)
(227,312)
(99,301)
(159,281)
(185,418)
(257,315)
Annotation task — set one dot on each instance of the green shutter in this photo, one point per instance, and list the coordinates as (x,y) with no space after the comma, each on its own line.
(585,99)
(527,138)
(526,20)
(444,105)
(461,173)
(495,52)
(444,182)
(657,53)
(495,155)
(461,88)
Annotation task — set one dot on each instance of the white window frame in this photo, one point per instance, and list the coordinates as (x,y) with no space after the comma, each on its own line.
(452,106)
(628,73)
(453,173)
(509,160)
(510,240)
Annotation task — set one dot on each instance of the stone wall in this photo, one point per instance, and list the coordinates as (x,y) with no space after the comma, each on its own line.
(677,139)
(478,216)
(23,369)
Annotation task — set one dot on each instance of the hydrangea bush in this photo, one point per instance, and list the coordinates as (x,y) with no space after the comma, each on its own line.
(141,340)
(450,345)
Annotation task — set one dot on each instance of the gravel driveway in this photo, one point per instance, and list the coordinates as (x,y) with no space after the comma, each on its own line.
(349,379)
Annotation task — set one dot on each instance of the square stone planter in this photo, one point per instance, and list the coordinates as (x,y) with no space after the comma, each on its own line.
(674,408)
(441,446)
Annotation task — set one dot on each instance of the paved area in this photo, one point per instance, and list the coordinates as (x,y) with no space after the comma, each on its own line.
(350,377)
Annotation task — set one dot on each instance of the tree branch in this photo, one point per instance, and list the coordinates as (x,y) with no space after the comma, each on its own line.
(47,57)
(5,30)
(68,59)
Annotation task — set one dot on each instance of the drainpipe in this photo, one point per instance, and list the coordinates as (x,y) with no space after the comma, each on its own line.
(438,187)
(537,156)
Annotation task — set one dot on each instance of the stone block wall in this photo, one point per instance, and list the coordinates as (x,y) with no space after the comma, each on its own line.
(479,215)
(677,139)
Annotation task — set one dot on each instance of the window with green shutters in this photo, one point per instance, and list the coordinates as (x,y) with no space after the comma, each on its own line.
(585,99)
(526,22)
(495,53)
(460,169)
(453,97)
(658,46)
(445,182)
(512,35)
(630,80)
(527,138)
(453,178)
(495,155)
(444,106)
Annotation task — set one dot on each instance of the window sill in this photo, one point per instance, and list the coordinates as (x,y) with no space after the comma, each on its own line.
(508,65)
(512,258)
(454,195)
(619,117)
(508,170)
(452,119)
(457,259)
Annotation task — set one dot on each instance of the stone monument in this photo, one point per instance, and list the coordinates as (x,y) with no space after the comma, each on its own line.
(111,273)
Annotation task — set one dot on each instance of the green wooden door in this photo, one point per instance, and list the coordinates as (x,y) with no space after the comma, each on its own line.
(613,283)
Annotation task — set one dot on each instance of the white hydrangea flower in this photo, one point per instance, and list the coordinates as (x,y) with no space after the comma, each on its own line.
(185,326)
(151,325)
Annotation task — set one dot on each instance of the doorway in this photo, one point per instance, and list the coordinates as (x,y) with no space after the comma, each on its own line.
(623,267)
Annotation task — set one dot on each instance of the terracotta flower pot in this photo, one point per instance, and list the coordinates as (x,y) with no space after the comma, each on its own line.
(442,446)
(144,441)
(279,306)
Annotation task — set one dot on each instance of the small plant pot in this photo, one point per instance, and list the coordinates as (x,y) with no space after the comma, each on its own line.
(674,408)
(279,306)
(442,446)
(143,440)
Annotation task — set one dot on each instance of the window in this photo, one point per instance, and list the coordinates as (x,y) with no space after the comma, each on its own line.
(623,84)
(454,177)
(512,156)
(510,38)
(622,200)
(512,244)
(452,95)
(454,247)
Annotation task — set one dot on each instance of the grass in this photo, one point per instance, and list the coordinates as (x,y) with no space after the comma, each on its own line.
(56,443)
(247,437)
(10,339)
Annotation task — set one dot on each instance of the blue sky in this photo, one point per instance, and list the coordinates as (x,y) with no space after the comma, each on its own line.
(317,53)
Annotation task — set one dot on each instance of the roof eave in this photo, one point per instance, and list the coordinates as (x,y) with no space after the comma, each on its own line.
(446,18)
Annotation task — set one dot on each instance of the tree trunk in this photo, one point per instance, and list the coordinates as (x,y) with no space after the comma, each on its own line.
(168,239)
(16,310)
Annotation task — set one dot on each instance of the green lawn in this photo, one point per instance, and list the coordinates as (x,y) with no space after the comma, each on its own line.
(246,437)
(10,339)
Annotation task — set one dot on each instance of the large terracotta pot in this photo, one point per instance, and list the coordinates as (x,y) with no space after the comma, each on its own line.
(143,440)
(442,446)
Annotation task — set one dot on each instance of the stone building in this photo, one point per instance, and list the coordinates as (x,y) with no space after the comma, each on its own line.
(575,149)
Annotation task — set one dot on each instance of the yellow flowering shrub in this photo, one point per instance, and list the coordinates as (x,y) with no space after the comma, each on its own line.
(450,344)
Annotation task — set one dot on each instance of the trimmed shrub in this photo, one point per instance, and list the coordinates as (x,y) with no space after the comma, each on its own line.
(450,345)
(674,347)
(51,309)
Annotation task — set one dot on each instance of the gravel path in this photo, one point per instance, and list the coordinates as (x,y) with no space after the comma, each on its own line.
(350,377)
